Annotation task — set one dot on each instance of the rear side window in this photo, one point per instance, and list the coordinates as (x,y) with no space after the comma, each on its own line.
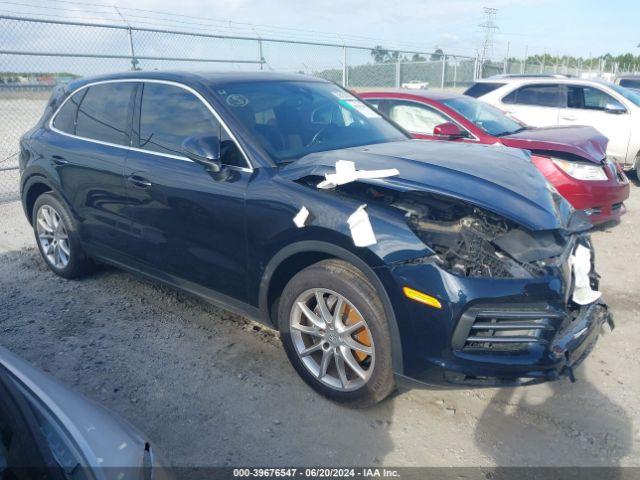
(547,95)
(480,89)
(65,120)
(104,111)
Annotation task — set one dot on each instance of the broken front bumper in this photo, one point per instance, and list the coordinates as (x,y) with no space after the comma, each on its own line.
(494,332)
(576,342)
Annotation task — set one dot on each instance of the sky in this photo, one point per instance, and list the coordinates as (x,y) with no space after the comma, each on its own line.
(571,27)
(558,27)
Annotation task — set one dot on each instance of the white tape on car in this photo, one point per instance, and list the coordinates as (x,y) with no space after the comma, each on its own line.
(580,262)
(346,173)
(301,217)
(361,229)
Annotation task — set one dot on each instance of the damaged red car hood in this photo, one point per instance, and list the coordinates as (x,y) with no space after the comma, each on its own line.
(584,142)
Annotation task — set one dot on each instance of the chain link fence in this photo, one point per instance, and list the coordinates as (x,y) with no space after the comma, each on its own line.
(38,54)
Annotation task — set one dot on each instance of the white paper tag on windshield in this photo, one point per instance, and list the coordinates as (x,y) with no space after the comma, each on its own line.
(353,103)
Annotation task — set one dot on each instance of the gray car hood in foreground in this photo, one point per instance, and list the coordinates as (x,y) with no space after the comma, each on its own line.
(497,178)
(104,440)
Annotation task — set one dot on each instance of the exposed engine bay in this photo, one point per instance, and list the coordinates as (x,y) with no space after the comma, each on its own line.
(469,241)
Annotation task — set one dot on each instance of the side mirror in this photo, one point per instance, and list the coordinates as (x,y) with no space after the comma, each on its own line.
(448,130)
(615,109)
(205,150)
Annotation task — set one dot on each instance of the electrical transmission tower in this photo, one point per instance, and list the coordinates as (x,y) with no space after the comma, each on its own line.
(490,27)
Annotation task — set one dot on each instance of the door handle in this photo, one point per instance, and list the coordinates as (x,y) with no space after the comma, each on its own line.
(58,160)
(139,182)
(568,117)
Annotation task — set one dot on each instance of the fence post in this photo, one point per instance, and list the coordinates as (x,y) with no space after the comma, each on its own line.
(261,53)
(505,68)
(345,68)
(475,68)
(444,68)
(455,71)
(134,61)
(398,71)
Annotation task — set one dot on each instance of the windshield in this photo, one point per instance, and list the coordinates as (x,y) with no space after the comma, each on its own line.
(293,119)
(486,117)
(630,95)
(630,82)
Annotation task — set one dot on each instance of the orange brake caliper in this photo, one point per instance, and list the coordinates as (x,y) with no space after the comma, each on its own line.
(362,336)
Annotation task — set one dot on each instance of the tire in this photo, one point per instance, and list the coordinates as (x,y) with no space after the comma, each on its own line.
(359,333)
(57,238)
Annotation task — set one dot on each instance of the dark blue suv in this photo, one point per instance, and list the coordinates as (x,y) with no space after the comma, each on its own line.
(290,201)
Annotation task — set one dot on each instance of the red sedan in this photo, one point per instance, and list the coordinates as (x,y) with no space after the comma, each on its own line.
(573,158)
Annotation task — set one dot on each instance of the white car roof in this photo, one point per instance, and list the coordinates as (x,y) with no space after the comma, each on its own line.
(539,80)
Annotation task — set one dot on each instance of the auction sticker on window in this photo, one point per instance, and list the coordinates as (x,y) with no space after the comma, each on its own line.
(237,100)
(352,103)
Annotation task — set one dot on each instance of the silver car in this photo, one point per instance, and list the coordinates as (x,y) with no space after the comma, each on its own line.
(48,431)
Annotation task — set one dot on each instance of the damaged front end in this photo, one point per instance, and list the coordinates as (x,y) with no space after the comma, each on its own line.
(510,272)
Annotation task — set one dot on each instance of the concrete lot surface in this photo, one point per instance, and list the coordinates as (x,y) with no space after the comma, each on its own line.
(209,388)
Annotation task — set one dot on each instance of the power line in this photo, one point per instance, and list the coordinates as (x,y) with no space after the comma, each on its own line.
(490,27)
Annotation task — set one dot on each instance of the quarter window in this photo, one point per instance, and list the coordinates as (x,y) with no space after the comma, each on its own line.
(103,113)
(588,98)
(415,118)
(65,120)
(547,95)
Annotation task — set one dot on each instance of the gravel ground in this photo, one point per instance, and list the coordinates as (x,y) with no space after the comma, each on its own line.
(211,388)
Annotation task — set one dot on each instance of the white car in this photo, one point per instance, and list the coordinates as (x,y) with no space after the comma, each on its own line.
(549,101)
(415,85)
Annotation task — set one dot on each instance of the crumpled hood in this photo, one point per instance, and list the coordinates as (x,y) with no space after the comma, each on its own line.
(500,179)
(584,142)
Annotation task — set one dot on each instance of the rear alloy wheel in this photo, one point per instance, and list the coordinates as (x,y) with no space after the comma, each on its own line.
(334,329)
(57,237)
(53,237)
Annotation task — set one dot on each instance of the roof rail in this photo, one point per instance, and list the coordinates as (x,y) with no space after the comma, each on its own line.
(531,75)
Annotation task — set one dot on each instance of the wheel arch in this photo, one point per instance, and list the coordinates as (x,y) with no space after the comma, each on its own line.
(31,190)
(295,257)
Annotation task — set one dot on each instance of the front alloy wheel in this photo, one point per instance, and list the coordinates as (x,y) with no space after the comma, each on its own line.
(332,339)
(335,331)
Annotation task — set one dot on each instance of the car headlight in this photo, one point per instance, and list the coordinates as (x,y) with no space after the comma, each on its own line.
(581,171)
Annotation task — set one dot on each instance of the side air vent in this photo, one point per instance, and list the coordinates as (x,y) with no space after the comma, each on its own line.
(505,329)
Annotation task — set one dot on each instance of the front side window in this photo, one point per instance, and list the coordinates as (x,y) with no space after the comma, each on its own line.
(170,114)
(415,118)
(291,119)
(544,95)
(588,98)
(488,118)
(103,112)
